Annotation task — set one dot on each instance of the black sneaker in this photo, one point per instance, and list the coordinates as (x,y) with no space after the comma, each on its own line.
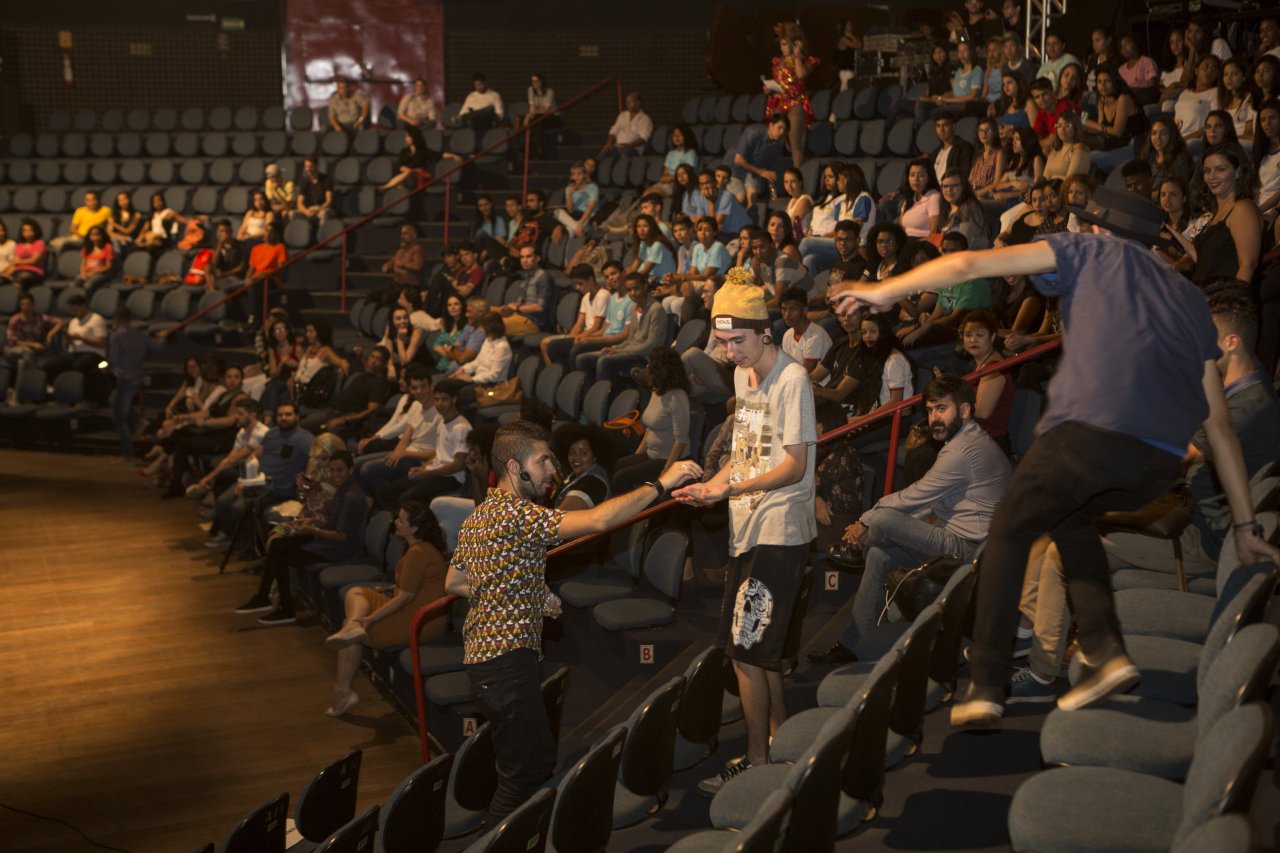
(838,653)
(279,616)
(980,707)
(1026,686)
(711,787)
(1116,674)
(257,604)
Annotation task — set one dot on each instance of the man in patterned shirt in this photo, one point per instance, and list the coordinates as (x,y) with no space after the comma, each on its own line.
(499,565)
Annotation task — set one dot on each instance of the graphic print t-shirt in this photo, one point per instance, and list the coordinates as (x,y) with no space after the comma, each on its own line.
(776,414)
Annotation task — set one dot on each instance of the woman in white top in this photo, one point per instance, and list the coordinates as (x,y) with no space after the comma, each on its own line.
(666,421)
(1197,102)
(1266,160)
(541,100)
(6,251)
(492,364)
(799,203)
(317,355)
(880,343)
(1235,98)
(253,227)
(822,220)
(1173,81)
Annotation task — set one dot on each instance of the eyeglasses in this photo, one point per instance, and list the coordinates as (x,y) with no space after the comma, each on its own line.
(951,186)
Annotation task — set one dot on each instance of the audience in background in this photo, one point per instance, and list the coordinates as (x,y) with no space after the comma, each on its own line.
(348,108)
(482,108)
(417,108)
(631,129)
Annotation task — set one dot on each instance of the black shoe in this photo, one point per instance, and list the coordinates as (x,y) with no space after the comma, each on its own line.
(835,654)
(257,604)
(1115,674)
(980,707)
(279,616)
(710,787)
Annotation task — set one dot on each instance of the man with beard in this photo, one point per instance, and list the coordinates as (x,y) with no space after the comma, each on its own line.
(500,565)
(960,491)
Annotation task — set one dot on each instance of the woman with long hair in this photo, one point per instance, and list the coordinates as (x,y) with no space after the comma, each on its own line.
(1119,118)
(1230,243)
(380,621)
(961,211)
(1166,151)
(882,347)
(124,224)
(1218,128)
(1195,103)
(253,227)
(683,152)
(1177,70)
(1071,89)
(1011,106)
(966,78)
(1026,166)
(799,203)
(97,259)
(887,241)
(1266,78)
(919,200)
(1138,72)
(453,322)
(989,161)
(317,354)
(685,193)
(402,340)
(1068,154)
(789,94)
(994,402)
(30,255)
(778,226)
(654,254)
(1266,159)
(666,420)
(1237,98)
(489,229)
(993,82)
(282,356)
(1077,189)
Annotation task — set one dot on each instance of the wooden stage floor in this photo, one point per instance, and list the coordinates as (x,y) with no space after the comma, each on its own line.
(136,705)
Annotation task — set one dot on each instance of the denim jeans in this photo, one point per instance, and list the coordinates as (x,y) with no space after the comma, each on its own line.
(895,539)
(508,691)
(122,412)
(1072,474)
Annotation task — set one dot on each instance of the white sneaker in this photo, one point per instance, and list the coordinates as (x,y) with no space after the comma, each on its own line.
(735,766)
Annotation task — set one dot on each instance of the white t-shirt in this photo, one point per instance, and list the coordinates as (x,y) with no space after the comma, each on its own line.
(424,428)
(405,407)
(424,321)
(628,128)
(1192,108)
(1269,176)
(6,253)
(774,415)
(251,439)
(92,326)
(811,346)
(476,101)
(593,308)
(896,375)
(491,363)
(451,439)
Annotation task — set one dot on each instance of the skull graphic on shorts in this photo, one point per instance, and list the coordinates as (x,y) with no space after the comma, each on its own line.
(752,613)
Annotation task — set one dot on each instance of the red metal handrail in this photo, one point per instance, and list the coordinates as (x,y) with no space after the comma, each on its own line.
(893,410)
(422,186)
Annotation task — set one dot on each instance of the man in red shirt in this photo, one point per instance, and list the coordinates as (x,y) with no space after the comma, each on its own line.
(1048,108)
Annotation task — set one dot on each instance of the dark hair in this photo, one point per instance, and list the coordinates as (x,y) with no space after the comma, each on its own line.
(788,230)
(794,294)
(324,332)
(1185,218)
(533,409)
(777,117)
(655,233)
(1246,180)
(386,353)
(690,186)
(344,457)
(897,231)
(915,253)
(1267,59)
(582,272)
(908,195)
(948,385)
(248,403)
(984,317)
(690,141)
(666,371)
(888,340)
(35,228)
(423,522)
(944,115)
(956,237)
(603,447)
(652,198)
(416,371)
(449,387)
(492,325)
(1233,308)
(481,438)
(221,223)
(1077,93)
(1177,145)
(1225,117)
(612,264)
(413,296)
(829,413)
(968,202)
(1030,151)
(77,298)
(848,225)
(450,323)
(512,441)
(1042,84)
(480,219)
(855,180)
(1136,167)
(1262,142)
(478,77)
(286,404)
(1020,94)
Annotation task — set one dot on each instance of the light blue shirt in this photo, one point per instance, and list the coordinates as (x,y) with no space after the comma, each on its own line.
(585,196)
(703,258)
(660,256)
(496,229)
(964,84)
(696,206)
(736,217)
(616,312)
(675,157)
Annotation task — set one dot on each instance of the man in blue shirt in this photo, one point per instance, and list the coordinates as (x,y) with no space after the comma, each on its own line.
(722,205)
(127,351)
(532,310)
(1124,403)
(761,157)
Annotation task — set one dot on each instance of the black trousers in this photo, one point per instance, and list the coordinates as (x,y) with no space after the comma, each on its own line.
(508,691)
(282,553)
(1072,474)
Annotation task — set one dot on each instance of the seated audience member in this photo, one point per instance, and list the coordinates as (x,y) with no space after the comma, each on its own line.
(281,194)
(380,620)
(952,151)
(408,260)
(881,348)
(1140,74)
(361,396)
(993,401)
(402,340)
(307,383)
(960,492)
(1056,58)
(30,261)
(587,452)
(805,341)
(460,336)
(886,240)
(489,231)
(229,261)
(1229,245)
(161,227)
(86,344)
(1118,120)
(760,158)
(778,226)
(1026,166)
(989,161)
(280,356)
(97,260)
(1067,154)
(1218,128)
(1015,58)
(205,432)
(715,201)
(452,510)
(941,323)
(819,254)
(1197,101)
(842,375)
(1139,178)
(592,305)
(918,200)
(825,204)
(1046,107)
(1266,161)
(581,198)
(413,425)
(532,226)
(726,180)
(655,256)
(709,369)
(1010,109)
(961,211)
(249,432)
(799,208)
(417,108)
(253,227)
(1268,38)
(683,151)
(348,109)
(492,363)
(1071,87)
(838,479)
(6,253)
(966,80)
(315,194)
(532,310)
(1255,420)
(618,314)
(92,213)
(333,538)
(631,129)
(266,258)
(648,329)
(415,160)
(708,261)
(1048,215)
(443,471)
(28,334)
(1204,41)
(666,421)
(776,270)
(1237,98)
(122,227)
(541,101)
(482,108)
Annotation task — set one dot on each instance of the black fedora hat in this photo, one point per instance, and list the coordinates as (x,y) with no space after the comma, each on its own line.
(1125,214)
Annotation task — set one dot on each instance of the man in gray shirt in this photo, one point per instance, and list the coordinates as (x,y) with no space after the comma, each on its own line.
(961,491)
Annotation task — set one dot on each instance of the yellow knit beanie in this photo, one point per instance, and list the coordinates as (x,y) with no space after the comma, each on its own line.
(739,303)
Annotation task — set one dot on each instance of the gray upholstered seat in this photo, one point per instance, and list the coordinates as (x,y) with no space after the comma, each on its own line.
(1101,808)
(764,832)
(434,659)
(1159,738)
(647,756)
(449,688)
(1230,833)
(663,567)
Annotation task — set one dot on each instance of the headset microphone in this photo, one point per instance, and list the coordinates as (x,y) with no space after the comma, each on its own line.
(524,475)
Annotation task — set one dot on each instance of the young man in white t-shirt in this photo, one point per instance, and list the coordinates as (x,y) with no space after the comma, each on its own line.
(591,315)
(444,471)
(248,442)
(769,485)
(415,432)
(804,340)
(86,334)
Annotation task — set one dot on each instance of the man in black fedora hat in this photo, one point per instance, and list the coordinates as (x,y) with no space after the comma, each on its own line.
(1124,404)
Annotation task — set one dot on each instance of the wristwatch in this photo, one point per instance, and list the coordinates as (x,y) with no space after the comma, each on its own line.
(1251,526)
(658,487)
